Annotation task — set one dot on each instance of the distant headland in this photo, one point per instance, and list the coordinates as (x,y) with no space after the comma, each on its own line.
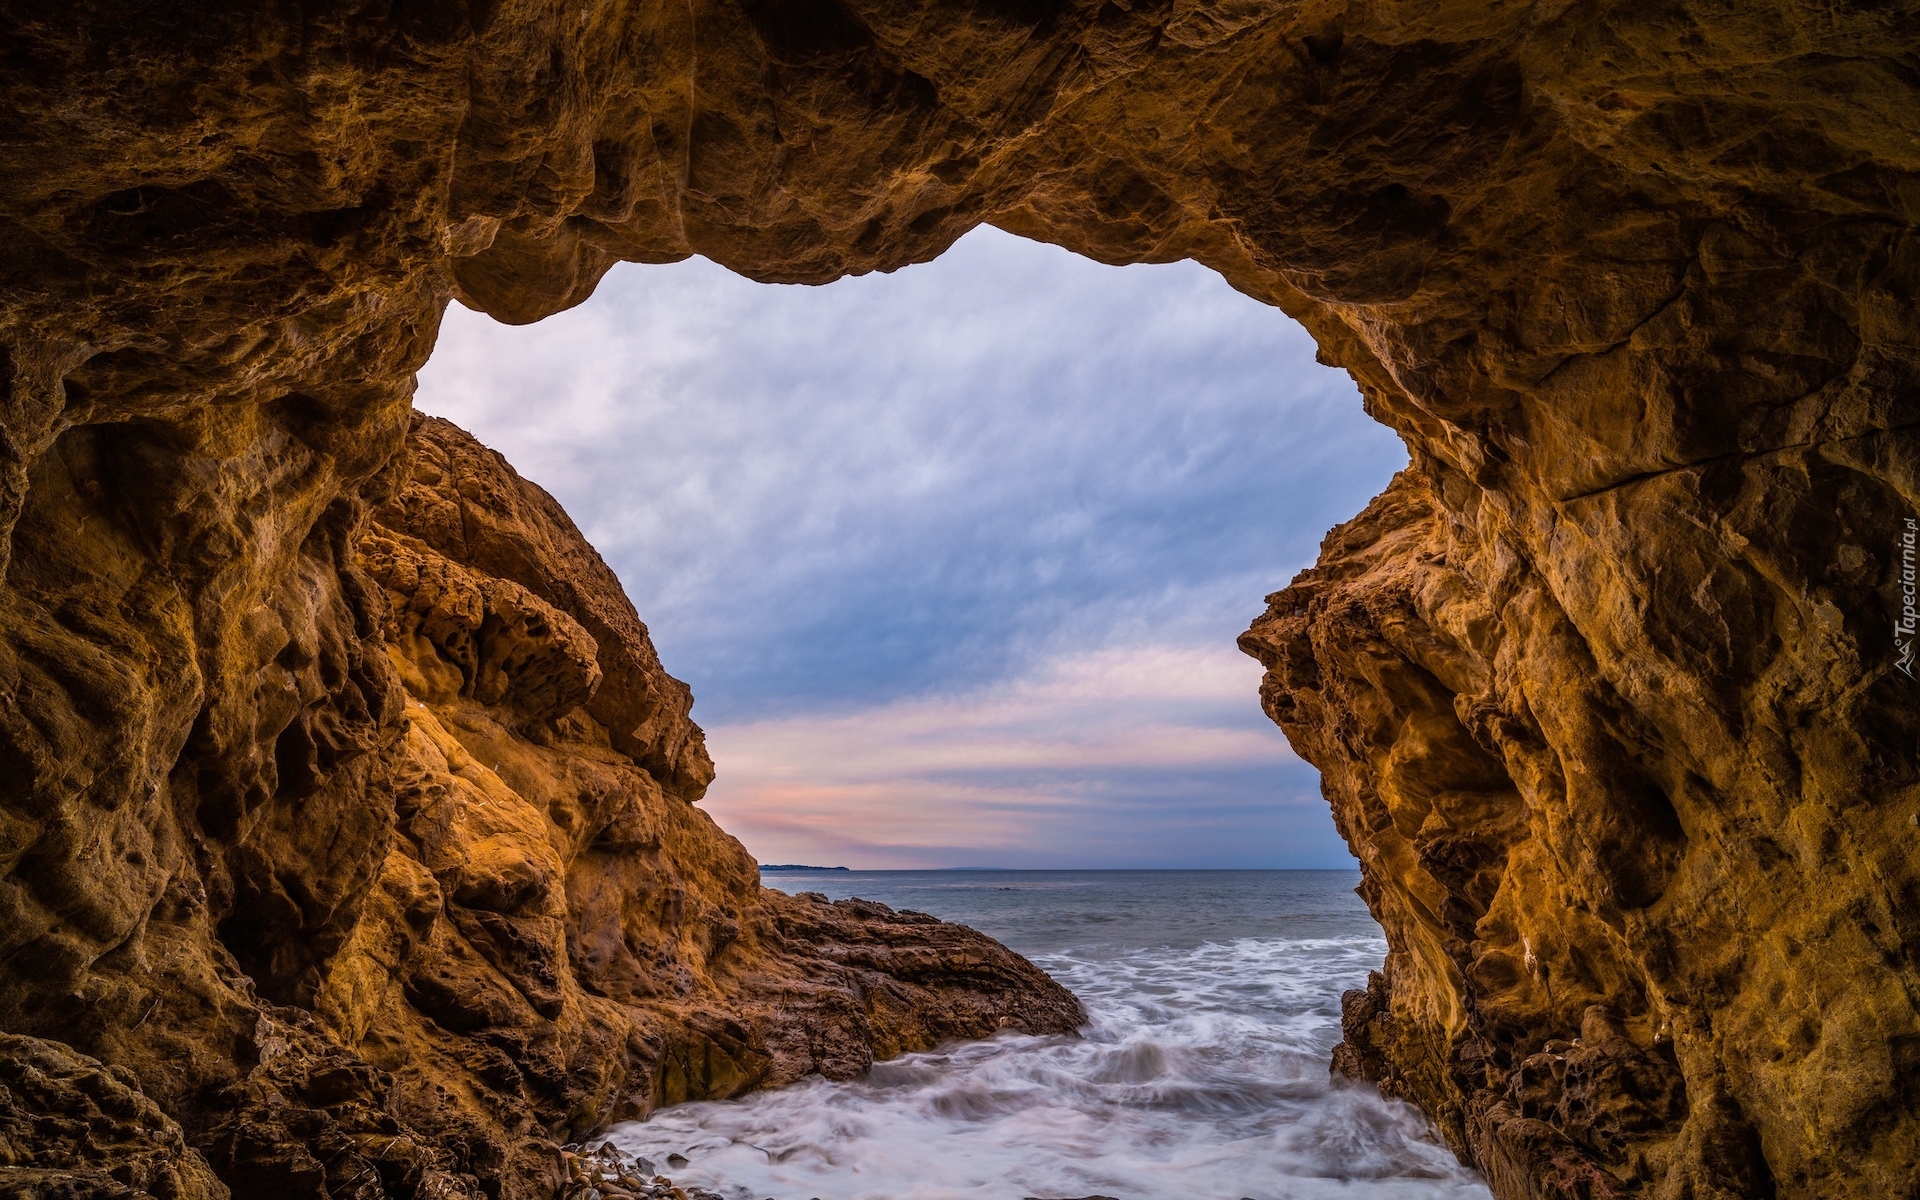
(798,867)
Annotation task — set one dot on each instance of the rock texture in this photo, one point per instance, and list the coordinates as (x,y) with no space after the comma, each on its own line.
(70,1126)
(435,899)
(1607,688)
(1649,937)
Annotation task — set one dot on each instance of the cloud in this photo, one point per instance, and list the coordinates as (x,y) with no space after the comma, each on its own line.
(1125,756)
(832,501)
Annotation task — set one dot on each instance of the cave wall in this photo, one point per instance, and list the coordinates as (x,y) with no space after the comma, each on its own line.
(1605,689)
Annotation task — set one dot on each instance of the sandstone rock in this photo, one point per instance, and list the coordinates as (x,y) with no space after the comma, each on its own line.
(1606,689)
(1580,987)
(463,926)
(70,1126)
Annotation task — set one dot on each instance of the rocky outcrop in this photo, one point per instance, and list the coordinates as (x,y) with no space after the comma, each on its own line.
(554,930)
(1632,954)
(71,1126)
(1610,689)
(444,903)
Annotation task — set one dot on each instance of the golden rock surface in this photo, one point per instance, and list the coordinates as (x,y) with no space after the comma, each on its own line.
(1607,688)
(441,921)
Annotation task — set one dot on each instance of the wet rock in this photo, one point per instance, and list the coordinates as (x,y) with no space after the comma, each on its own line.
(1367,1032)
(606,1173)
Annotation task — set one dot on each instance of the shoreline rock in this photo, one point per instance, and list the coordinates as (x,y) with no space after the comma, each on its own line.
(606,1173)
(467,925)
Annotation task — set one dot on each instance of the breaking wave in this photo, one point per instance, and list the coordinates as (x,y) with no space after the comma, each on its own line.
(1202,1074)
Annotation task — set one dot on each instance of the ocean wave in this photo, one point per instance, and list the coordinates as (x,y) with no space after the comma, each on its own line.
(1202,1073)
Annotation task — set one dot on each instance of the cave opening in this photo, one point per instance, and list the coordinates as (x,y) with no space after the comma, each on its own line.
(954,557)
(320,837)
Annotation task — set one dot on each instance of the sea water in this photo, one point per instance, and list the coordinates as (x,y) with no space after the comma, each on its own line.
(1213,1001)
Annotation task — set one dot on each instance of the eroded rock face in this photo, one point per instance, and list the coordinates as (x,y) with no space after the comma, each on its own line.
(1605,688)
(1631,953)
(71,1126)
(458,924)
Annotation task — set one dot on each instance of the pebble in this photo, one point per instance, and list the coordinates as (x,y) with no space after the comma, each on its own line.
(604,1173)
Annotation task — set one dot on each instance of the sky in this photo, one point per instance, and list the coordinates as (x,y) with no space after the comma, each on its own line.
(954,557)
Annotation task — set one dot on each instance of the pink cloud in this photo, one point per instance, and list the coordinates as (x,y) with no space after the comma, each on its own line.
(988,769)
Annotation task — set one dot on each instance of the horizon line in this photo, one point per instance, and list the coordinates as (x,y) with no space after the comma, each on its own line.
(795,867)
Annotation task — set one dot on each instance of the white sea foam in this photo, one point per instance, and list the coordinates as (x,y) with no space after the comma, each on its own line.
(1202,1076)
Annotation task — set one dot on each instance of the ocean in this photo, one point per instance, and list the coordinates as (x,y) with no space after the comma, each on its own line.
(1213,999)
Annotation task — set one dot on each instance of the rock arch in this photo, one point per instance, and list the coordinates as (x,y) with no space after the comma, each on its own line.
(1607,689)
